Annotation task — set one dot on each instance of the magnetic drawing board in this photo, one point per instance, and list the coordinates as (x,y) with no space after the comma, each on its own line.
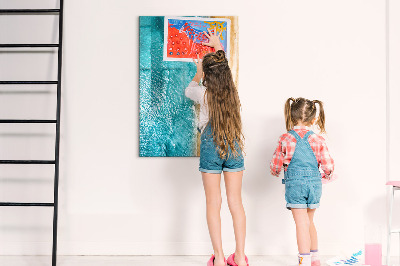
(183,37)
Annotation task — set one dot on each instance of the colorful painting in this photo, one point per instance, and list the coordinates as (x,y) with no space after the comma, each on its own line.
(183,37)
(168,119)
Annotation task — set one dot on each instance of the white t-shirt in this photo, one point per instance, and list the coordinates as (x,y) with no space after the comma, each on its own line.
(196,93)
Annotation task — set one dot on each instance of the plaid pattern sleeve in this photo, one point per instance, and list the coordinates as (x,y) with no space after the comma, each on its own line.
(283,153)
(277,159)
(325,160)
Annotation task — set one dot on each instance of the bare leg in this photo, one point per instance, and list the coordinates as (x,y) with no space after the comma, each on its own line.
(313,230)
(212,188)
(233,183)
(302,221)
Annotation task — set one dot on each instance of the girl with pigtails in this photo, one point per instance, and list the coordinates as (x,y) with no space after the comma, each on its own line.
(302,154)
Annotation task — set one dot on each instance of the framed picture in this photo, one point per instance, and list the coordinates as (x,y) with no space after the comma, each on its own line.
(168,119)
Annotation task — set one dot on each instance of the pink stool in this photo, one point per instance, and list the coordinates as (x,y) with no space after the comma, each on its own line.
(394,185)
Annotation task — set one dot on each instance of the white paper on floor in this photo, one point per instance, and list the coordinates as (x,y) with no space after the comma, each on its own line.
(351,258)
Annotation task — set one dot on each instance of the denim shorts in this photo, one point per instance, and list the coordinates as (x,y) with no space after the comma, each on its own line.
(303,193)
(210,160)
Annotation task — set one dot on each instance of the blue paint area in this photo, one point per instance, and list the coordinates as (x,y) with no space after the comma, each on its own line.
(198,28)
(167,117)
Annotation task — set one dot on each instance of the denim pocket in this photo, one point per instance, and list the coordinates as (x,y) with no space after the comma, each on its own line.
(293,191)
(317,190)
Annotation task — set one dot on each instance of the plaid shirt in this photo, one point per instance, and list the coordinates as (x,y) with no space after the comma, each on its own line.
(287,144)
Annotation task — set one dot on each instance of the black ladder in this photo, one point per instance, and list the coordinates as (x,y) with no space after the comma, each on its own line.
(57,82)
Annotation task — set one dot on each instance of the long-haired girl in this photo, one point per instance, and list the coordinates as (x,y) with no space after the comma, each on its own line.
(221,147)
(302,153)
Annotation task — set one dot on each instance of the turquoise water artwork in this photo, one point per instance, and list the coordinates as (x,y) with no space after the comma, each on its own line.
(167,118)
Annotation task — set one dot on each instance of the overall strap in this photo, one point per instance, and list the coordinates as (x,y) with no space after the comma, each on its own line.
(294,133)
(308,134)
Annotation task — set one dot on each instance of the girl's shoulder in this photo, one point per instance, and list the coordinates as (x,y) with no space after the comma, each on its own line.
(194,84)
(195,92)
(203,89)
(286,137)
(316,138)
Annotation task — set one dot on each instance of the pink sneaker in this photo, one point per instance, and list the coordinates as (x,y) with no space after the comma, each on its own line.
(231,260)
(316,263)
(211,261)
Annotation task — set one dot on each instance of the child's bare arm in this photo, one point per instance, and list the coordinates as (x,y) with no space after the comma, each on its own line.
(199,73)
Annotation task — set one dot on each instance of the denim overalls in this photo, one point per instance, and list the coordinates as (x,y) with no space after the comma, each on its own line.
(211,162)
(302,181)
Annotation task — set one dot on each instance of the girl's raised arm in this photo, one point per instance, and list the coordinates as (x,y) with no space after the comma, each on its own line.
(199,73)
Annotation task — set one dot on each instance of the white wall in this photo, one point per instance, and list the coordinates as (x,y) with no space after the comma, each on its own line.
(394,110)
(113,202)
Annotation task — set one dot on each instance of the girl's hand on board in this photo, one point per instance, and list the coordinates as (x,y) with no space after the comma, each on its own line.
(199,66)
(213,39)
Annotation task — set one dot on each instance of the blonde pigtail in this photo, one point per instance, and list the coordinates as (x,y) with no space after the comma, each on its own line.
(321,116)
(288,114)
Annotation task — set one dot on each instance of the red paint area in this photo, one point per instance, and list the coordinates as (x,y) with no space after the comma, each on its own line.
(179,44)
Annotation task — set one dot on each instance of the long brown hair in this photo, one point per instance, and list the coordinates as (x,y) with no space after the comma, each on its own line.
(303,110)
(223,104)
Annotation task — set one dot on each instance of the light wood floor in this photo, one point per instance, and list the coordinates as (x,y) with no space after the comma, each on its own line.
(136,260)
(145,260)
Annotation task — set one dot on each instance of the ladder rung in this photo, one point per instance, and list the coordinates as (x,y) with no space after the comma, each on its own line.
(27,161)
(6,11)
(33,45)
(27,121)
(38,204)
(29,82)
(395,231)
